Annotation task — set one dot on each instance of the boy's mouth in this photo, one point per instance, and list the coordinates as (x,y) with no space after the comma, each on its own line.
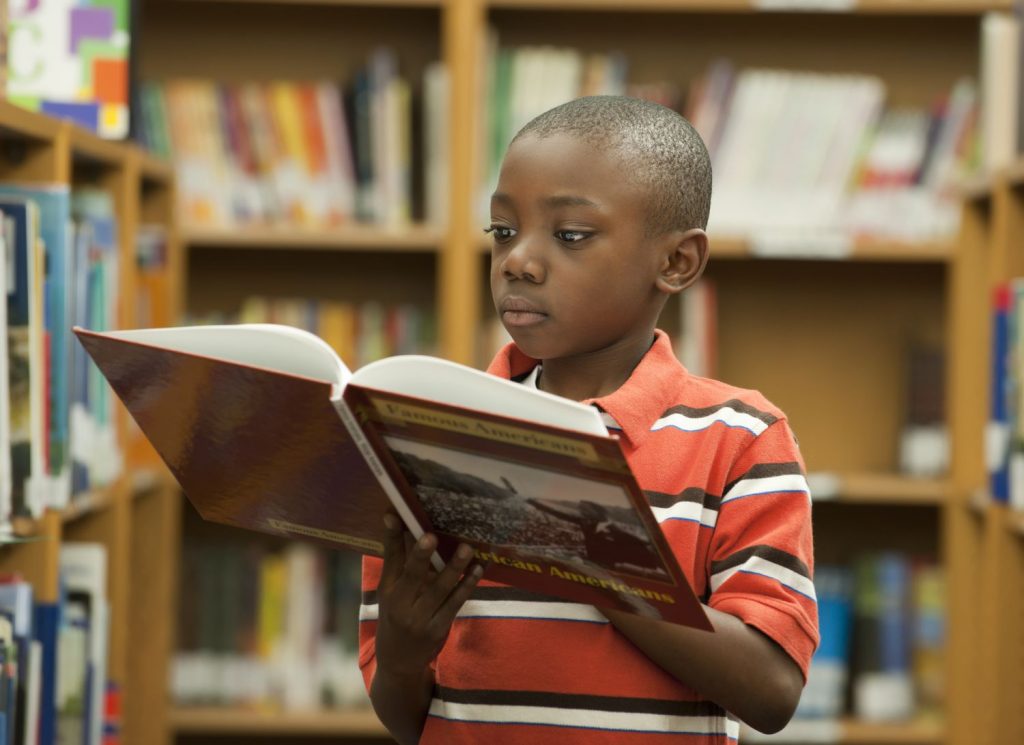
(519,312)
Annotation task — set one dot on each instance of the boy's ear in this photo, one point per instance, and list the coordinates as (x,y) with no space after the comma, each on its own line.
(683,261)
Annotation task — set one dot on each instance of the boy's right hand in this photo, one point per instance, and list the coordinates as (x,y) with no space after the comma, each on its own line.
(417,605)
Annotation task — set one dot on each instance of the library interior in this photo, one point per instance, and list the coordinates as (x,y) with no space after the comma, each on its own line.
(327,165)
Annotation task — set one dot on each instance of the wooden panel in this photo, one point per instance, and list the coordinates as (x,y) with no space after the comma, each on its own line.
(827,343)
(967,392)
(156,540)
(844,531)
(220,279)
(236,42)
(37,560)
(918,58)
(458,279)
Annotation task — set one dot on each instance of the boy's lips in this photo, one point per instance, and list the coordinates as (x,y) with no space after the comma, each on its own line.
(520,312)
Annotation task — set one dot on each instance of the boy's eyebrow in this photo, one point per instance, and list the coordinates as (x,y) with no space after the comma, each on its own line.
(568,200)
(564,200)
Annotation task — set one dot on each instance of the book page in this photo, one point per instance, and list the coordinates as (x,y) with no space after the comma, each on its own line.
(447,382)
(274,347)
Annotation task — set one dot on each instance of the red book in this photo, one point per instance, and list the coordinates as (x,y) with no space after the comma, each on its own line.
(265,428)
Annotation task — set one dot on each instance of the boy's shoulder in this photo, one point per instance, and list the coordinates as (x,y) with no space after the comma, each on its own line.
(699,392)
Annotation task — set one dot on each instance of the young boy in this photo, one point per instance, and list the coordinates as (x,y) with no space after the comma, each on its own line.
(599,217)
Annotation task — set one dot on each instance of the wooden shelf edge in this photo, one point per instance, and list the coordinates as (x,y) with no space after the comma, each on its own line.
(849,731)
(868,249)
(352,238)
(89,503)
(91,148)
(857,7)
(732,248)
(27,124)
(153,168)
(237,720)
(877,488)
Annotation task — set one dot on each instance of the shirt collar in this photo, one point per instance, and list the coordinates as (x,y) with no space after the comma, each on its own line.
(652,387)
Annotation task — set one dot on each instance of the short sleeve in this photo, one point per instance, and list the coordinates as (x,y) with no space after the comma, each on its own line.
(761,559)
(372,567)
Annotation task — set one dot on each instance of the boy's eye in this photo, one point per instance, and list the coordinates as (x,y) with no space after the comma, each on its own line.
(501,233)
(571,236)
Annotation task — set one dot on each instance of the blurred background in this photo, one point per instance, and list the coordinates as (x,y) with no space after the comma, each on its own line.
(327,164)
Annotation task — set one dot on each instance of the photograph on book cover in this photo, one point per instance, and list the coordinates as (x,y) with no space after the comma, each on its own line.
(536,511)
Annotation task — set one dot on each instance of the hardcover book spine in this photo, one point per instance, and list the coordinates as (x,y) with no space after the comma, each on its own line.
(386,482)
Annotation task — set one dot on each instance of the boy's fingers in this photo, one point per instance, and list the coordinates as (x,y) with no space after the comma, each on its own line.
(417,561)
(394,549)
(458,597)
(445,582)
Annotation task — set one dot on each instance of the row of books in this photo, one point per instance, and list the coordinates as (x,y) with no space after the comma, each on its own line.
(60,266)
(54,686)
(307,154)
(800,158)
(268,626)
(358,332)
(881,657)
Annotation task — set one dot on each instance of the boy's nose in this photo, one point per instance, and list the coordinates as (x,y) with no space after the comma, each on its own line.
(522,263)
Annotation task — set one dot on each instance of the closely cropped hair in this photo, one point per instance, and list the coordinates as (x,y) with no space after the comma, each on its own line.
(663,150)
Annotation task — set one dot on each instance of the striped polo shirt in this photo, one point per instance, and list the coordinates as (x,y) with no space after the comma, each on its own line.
(725,479)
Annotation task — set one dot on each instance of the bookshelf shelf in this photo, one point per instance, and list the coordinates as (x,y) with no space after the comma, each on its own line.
(912,733)
(88,148)
(353,238)
(153,168)
(88,504)
(860,7)
(880,488)
(873,250)
(18,122)
(853,732)
(240,721)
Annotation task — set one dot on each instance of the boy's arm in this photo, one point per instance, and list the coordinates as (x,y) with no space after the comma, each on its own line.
(416,609)
(762,602)
(737,667)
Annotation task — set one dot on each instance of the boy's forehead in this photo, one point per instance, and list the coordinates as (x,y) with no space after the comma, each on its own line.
(564,159)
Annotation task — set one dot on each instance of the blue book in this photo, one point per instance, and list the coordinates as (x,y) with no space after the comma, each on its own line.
(47,629)
(55,214)
(998,445)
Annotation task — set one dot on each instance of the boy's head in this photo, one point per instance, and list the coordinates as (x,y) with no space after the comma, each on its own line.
(655,146)
(598,216)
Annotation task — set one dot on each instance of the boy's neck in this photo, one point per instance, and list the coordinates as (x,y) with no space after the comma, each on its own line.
(595,374)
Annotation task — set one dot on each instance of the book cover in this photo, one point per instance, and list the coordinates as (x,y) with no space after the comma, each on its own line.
(69,59)
(265,428)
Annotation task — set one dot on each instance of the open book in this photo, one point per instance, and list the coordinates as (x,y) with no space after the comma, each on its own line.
(265,428)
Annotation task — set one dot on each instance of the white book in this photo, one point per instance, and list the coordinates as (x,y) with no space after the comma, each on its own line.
(1000,71)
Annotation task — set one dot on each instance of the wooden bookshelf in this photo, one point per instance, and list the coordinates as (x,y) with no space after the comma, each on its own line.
(37,149)
(845,322)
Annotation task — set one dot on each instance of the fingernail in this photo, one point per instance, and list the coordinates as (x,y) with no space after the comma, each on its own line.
(390,521)
(464,552)
(424,541)
(477,572)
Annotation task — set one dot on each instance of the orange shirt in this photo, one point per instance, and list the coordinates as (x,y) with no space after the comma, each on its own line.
(725,479)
